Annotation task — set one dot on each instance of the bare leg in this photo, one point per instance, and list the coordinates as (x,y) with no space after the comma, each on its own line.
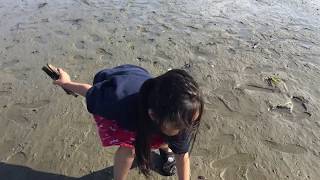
(166,148)
(122,162)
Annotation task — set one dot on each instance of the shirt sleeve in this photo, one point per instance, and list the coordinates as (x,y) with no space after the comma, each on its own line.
(101,96)
(180,143)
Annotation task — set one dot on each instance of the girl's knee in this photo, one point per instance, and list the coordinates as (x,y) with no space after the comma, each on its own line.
(164,145)
(128,152)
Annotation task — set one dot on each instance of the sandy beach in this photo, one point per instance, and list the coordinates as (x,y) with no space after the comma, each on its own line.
(257,61)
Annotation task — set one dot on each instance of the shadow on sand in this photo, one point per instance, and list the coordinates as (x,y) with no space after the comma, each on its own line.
(17,172)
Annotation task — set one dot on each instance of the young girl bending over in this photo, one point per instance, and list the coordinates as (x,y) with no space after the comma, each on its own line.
(138,112)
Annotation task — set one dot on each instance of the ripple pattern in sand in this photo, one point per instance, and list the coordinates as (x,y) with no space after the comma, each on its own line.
(240,159)
(287,148)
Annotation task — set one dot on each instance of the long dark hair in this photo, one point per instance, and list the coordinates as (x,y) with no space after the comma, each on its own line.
(173,97)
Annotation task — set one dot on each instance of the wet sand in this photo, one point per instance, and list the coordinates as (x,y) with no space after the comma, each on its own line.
(256,61)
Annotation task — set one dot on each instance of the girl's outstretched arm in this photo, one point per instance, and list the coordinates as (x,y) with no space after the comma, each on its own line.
(65,82)
(183,166)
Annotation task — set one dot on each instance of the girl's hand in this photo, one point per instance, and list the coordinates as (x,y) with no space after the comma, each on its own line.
(64,78)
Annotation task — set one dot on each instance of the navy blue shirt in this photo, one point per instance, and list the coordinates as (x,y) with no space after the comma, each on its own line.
(114,95)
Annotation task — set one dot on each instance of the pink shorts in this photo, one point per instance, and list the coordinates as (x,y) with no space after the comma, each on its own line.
(112,135)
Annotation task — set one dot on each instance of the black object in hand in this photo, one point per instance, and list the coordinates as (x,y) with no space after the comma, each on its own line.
(53,72)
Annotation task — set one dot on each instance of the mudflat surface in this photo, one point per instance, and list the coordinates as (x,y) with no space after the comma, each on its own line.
(257,62)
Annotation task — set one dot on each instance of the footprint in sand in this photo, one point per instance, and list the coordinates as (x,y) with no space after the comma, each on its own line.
(41,5)
(273,53)
(258,69)
(163,55)
(255,87)
(287,148)
(225,103)
(297,109)
(19,157)
(240,159)
(225,139)
(85,2)
(6,89)
(35,104)
(78,57)
(103,52)
(80,45)
(234,173)
(142,29)
(9,64)
(219,104)
(294,109)
(232,51)
(300,108)
(201,50)
(5,92)
(17,115)
(40,39)
(95,38)
(19,111)
(61,33)
(255,174)
(75,22)
(21,74)
(6,147)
